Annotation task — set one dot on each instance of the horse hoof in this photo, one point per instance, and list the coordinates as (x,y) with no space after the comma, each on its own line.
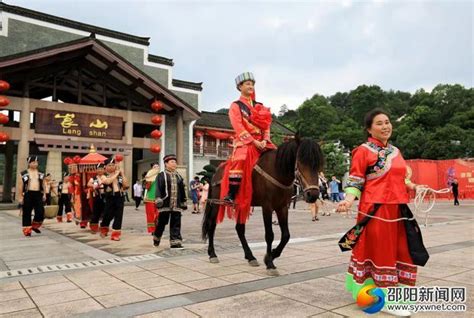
(272,272)
(213,260)
(254,263)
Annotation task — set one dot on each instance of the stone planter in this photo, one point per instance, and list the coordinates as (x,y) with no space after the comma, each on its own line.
(50,211)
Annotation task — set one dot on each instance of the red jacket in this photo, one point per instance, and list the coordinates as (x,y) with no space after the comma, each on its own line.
(245,130)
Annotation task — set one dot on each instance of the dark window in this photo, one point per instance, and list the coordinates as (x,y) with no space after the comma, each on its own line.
(143,130)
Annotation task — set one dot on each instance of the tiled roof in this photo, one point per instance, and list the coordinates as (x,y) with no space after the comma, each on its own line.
(73,24)
(160,60)
(186,84)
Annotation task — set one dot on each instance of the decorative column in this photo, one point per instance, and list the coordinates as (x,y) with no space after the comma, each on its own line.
(128,159)
(179,136)
(54,165)
(8,175)
(23,144)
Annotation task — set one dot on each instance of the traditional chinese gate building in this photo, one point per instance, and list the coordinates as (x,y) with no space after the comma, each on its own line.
(73,85)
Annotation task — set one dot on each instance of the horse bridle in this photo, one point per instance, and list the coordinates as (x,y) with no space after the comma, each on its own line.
(304,184)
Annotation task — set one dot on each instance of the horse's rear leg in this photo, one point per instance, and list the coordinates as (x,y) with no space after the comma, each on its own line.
(209,229)
(267,221)
(210,249)
(240,228)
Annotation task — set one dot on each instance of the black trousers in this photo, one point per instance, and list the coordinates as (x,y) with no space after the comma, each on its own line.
(113,211)
(174,218)
(48,199)
(138,200)
(98,209)
(456,201)
(33,200)
(64,203)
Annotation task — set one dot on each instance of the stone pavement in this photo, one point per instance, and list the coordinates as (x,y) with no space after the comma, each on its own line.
(67,271)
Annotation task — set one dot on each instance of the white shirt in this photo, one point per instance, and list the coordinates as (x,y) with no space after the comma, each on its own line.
(137,190)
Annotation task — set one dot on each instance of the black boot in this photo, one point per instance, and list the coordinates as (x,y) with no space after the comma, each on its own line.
(234,185)
(156,240)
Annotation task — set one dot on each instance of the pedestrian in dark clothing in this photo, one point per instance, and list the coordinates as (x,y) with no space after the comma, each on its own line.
(455,187)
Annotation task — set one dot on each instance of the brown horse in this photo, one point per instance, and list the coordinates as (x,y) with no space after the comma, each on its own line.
(272,180)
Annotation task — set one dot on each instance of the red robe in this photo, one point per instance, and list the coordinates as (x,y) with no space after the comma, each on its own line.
(381,255)
(254,125)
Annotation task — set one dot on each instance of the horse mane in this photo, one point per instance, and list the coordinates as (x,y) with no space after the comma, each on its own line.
(311,155)
(286,159)
(307,152)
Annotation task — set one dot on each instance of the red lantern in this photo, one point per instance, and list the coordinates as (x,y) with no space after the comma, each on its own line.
(156,134)
(67,161)
(3,119)
(156,106)
(157,120)
(197,143)
(118,158)
(4,101)
(76,159)
(155,148)
(4,136)
(4,86)
(199,133)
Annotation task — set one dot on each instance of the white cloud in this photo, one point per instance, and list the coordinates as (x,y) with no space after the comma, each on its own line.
(295,49)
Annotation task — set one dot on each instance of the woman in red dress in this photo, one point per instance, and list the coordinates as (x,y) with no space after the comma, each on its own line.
(380,251)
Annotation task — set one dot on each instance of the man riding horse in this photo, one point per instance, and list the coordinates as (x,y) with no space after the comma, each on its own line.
(251,122)
(259,174)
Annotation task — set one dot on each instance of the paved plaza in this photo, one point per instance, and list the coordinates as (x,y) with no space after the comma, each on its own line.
(67,271)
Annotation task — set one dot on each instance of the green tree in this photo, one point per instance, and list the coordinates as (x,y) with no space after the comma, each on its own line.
(448,142)
(397,103)
(340,101)
(365,98)
(348,132)
(335,160)
(289,119)
(315,116)
(451,99)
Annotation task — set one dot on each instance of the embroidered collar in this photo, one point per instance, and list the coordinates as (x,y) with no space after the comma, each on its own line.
(385,155)
(246,101)
(378,142)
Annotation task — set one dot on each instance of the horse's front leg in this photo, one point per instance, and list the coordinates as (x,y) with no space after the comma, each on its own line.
(285,232)
(240,228)
(267,221)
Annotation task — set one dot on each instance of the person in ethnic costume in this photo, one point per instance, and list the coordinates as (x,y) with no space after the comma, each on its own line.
(64,202)
(115,183)
(32,196)
(386,246)
(171,200)
(98,204)
(48,188)
(150,196)
(251,122)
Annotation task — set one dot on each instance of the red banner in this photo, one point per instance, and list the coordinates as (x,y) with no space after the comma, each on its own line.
(439,174)
(219,134)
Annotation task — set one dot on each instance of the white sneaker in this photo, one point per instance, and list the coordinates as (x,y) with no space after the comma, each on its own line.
(397,313)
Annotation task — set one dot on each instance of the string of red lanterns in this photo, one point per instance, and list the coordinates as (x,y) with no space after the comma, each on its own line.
(4,101)
(157,120)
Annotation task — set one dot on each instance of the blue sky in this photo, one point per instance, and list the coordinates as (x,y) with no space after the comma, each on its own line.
(294,48)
